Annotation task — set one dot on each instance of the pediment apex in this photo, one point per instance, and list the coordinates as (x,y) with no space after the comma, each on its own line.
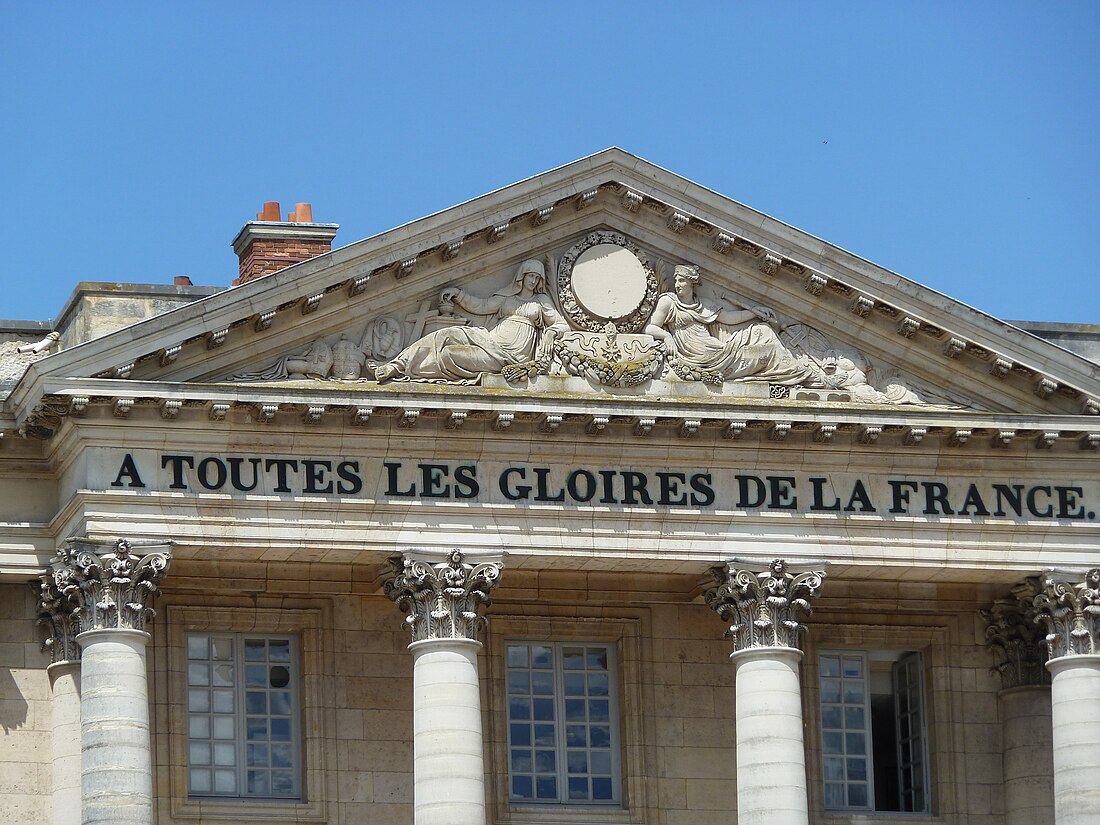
(913,329)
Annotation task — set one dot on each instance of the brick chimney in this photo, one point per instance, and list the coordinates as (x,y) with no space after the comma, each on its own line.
(268,244)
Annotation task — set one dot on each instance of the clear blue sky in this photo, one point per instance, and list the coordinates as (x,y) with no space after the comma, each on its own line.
(955,143)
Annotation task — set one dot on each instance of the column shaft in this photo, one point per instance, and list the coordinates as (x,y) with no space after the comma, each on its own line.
(449,769)
(1028,769)
(1075,705)
(65,710)
(116,759)
(771,760)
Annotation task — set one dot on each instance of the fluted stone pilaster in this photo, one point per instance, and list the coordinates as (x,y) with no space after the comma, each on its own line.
(443,597)
(110,588)
(765,611)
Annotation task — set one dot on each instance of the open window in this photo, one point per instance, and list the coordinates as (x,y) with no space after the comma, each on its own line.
(873,730)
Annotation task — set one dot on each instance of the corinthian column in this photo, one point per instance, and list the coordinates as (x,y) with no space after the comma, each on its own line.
(55,611)
(1016,644)
(764,610)
(111,588)
(442,597)
(1071,615)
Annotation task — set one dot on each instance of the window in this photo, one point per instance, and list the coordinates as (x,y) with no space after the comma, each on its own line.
(873,739)
(563,738)
(243,738)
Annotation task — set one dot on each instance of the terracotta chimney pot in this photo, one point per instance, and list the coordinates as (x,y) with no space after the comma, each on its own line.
(267,244)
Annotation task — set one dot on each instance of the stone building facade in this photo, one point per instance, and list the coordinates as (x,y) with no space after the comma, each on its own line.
(598,499)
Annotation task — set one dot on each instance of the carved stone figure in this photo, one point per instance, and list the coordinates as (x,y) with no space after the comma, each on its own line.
(316,362)
(720,344)
(382,338)
(347,360)
(523,328)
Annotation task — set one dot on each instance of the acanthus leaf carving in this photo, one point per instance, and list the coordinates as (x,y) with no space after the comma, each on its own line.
(1070,612)
(764,609)
(110,586)
(1014,639)
(443,599)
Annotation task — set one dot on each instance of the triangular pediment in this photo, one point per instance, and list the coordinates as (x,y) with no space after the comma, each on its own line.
(776,316)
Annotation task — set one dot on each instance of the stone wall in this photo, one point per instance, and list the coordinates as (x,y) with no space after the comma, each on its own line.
(25,721)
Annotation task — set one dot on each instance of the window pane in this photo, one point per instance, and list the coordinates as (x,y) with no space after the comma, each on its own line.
(221,649)
(520,734)
(578,787)
(547,787)
(573,658)
(222,675)
(225,754)
(199,753)
(542,657)
(597,684)
(198,727)
(600,736)
(198,700)
(544,735)
(522,787)
(545,762)
(223,701)
(255,702)
(574,684)
(517,655)
(197,647)
(200,781)
(278,650)
(519,681)
(257,756)
(225,781)
(198,674)
(857,796)
(224,727)
(601,787)
(255,650)
(521,761)
(542,682)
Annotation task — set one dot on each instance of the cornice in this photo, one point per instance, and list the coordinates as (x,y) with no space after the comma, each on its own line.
(468,410)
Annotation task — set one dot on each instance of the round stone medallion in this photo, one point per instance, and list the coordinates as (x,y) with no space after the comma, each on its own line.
(605,278)
(608,281)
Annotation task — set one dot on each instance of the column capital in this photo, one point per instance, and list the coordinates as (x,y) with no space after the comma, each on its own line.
(764,608)
(54,590)
(1070,612)
(107,584)
(1014,638)
(442,595)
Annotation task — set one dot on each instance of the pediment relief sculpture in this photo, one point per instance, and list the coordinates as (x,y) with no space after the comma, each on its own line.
(612,326)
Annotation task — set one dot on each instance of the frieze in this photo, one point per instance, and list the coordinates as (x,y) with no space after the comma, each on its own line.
(728,490)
